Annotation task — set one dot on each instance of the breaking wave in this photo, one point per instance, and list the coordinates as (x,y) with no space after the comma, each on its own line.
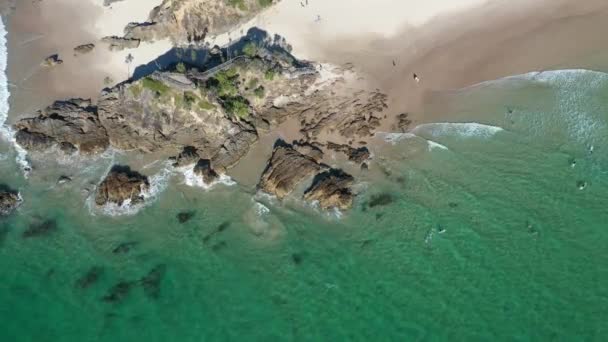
(460,129)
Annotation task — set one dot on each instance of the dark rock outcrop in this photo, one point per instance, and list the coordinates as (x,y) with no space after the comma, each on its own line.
(116,43)
(331,189)
(51,61)
(73,124)
(286,169)
(188,156)
(84,49)
(122,185)
(9,200)
(356,155)
(309,149)
(204,171)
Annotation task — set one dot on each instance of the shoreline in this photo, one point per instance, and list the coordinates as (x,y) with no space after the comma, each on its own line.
(37,87)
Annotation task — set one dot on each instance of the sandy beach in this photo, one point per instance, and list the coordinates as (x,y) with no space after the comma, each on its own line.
(449,44)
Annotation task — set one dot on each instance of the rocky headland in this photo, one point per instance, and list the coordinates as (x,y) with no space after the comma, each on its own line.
(208,115)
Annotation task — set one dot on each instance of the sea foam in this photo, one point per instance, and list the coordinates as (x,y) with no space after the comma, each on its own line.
(5,133)
(460,129)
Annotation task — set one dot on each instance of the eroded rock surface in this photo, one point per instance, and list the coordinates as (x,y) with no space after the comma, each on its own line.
(356,155)
(9,200)
(190,21)
(116,43)
(72,124)
(84,49)
(203,170)
(286,169)
(122,185)
(331,189)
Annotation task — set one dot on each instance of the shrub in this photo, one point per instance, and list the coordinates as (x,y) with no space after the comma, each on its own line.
(259,92)
(253,83)
(205,105)
(225,82)
(237,106)
(269,74)
(180,67)
(250,49)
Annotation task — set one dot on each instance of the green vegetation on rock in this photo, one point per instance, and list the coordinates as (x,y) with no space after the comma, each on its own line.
(135,90)
(253,83)
(180,67)
(154,85)
(240,4)
(225,82)
(237,106)
(250,49)
(259,92)
(269,75)
(205,105)
(265,3)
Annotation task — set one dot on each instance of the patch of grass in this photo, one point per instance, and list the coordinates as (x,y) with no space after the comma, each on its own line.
(253,83)
(259,92)
(205,105)
(156,86)
(240,4)
(270,74)
(237,106)
(250,49)
(193,55)
(135,90)
(181,68)
(179,101)
(265,3)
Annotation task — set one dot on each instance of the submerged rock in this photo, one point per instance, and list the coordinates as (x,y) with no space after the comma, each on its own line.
(118,292)
(332,190)
(185,216)
(203,170)
(151,281)
(40,228)
(285,170)
(89,278)
(122,185)
(9,200)
(73,124)
(124,247)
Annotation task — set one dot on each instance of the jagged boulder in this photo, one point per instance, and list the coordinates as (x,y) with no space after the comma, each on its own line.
(84,49)
(356,155)
(9,200)
(122,185)
(204,171)
(73,124)
(286,169)
(332,190)
(188,156)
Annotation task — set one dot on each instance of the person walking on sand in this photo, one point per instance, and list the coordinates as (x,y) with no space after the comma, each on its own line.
(416,78)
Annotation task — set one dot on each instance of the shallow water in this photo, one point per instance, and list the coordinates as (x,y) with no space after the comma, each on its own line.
(461,232)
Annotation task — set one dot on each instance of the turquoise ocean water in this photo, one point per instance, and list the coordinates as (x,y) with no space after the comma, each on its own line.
(475,231)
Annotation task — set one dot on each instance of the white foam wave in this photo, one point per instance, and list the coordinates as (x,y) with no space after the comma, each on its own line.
(191,179)
(461,129)
(4,92)
(394,138)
